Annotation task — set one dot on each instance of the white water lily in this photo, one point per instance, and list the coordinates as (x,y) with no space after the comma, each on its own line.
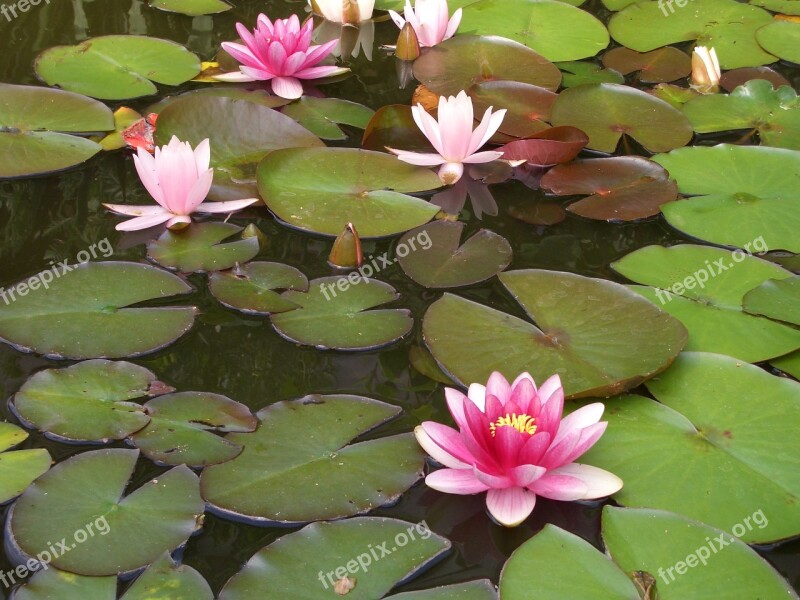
(343,11)
(706,72)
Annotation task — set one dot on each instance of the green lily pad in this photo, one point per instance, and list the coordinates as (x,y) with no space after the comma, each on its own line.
(183,427)
(481,589)
(788,364)
(322,116)
(659,66)
(584,334)
(334,313)
(726,25)
(776,299)
(52,584)
(297,565)
(193,8)
(35,124)
(579,73)
(116,67)
(394,126)
(775,114)
(89,401)
(250,288)
(85,494)
(421,359)
(447,263)
(748,193)
(198,248)
(166,580)
(528,106)
(706,449)
(464,60)
(704,288)
(786,7)
(556,30)
(606,111)
(323,189)
(781,38)
(82,313)
(19,468)
(297,466)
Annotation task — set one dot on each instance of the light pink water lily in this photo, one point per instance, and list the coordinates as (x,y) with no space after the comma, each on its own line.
(178,178)
(430,19)
(514,445)
(706,71)
(281,53)
(452,137)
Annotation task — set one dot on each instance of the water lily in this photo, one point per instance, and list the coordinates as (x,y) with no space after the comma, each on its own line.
(514,444)
(178,178)
(705,70)
(430,19)
(281,53)
(343,11)
(350,40)
(452,137)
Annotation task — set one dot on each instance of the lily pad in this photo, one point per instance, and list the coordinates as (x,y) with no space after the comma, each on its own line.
(464,60)
(193,8)
(322,116)
(606,111)
(622,188)
(584,334)
(298,467)
(421,359)
(705,449)
(552,146)
(198,248)
(83,314)
(334,313)
(250,288)
(116,67)
(578,73)
(786,7)
(447,263)
(776,299)
(730,80)
(52,584)
(481,589)
(89,401)
(659,66)
(775,114)
(528,106)
(394,126)
(788,364)
(85,494)
(726,25)
(704,288)
(556,30)
(297,565)
(323,189)
(19,468)
(747,193)
(781,38)
(35,124)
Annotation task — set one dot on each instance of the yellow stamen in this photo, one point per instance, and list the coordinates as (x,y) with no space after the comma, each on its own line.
(522,423)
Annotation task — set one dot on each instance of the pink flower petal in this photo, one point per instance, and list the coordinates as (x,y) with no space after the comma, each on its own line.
(599,483)
(179,222)
(534,449)
(235,77)
(455,403)
(511,506)
(436,452)
(579,419)
(319,72)
(494,480)
(588,438)
(524,475)
(287,87)
(455,481)
(558,486)
(146,168)
(418,158)
(559,454)
(498,386)
(136,211)
(482,157)
(449,440)
(144,222)
(398,20)
(507,445)
(477,393)
(225,207)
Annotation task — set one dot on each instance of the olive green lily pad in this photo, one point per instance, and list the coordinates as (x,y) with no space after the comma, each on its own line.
(193,8)
(578,73)
(35,124)
(199,248)
(421,359)
(556,30)
(747,193)
(788,364)
(183,427)
(116,67)
(726,25)
(323,189)
(786,7)
(527,106)
(322,116)
(606,111)
(86,493)
(659,66)
(776,299)
(298,467)
(251,288)
(584,334)
(706,449)
(334,313)
(52,584)
(166,580)
(704,288)
(394,126)
(481,589)
(781,38)
(19,468)
(83,314)
(89,401)
(448,263)
(775,114)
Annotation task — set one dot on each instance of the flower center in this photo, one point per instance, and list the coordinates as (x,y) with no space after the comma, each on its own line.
(522,423)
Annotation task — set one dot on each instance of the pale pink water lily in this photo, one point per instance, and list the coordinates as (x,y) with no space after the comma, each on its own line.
(178,178)
(452,137)
(706,71)
(343,11)
(430,19)
(280,53)
(514,444)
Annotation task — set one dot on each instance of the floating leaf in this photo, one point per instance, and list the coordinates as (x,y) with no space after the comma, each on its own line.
(116,67)
(198,248)
(538,213)
(732,79)
(18,469)
(52,584)
(788,364)
(297,466)
(781,38)
(550,147)
(528,106)
(777,299)
(481,589)
(659,66)
(393,126)
(579,73)
(334,313)
(82,313)
(584,334)
(787,7)
(323,189)
(250,288)
(321,115)
(422,360)
(193,8)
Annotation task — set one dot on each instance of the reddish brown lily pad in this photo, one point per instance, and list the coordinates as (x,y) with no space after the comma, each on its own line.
(659,66)
(538,213)
(552,146)
(730,80)
(393,126)
(528,105)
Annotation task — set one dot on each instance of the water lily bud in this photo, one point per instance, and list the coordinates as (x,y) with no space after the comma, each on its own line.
(346,252)
(407,43)
(705,70)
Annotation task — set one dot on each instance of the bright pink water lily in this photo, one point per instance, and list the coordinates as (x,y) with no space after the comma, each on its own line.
(514,445)
(178,178)
(452,137)
(430,19)
(281,53)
